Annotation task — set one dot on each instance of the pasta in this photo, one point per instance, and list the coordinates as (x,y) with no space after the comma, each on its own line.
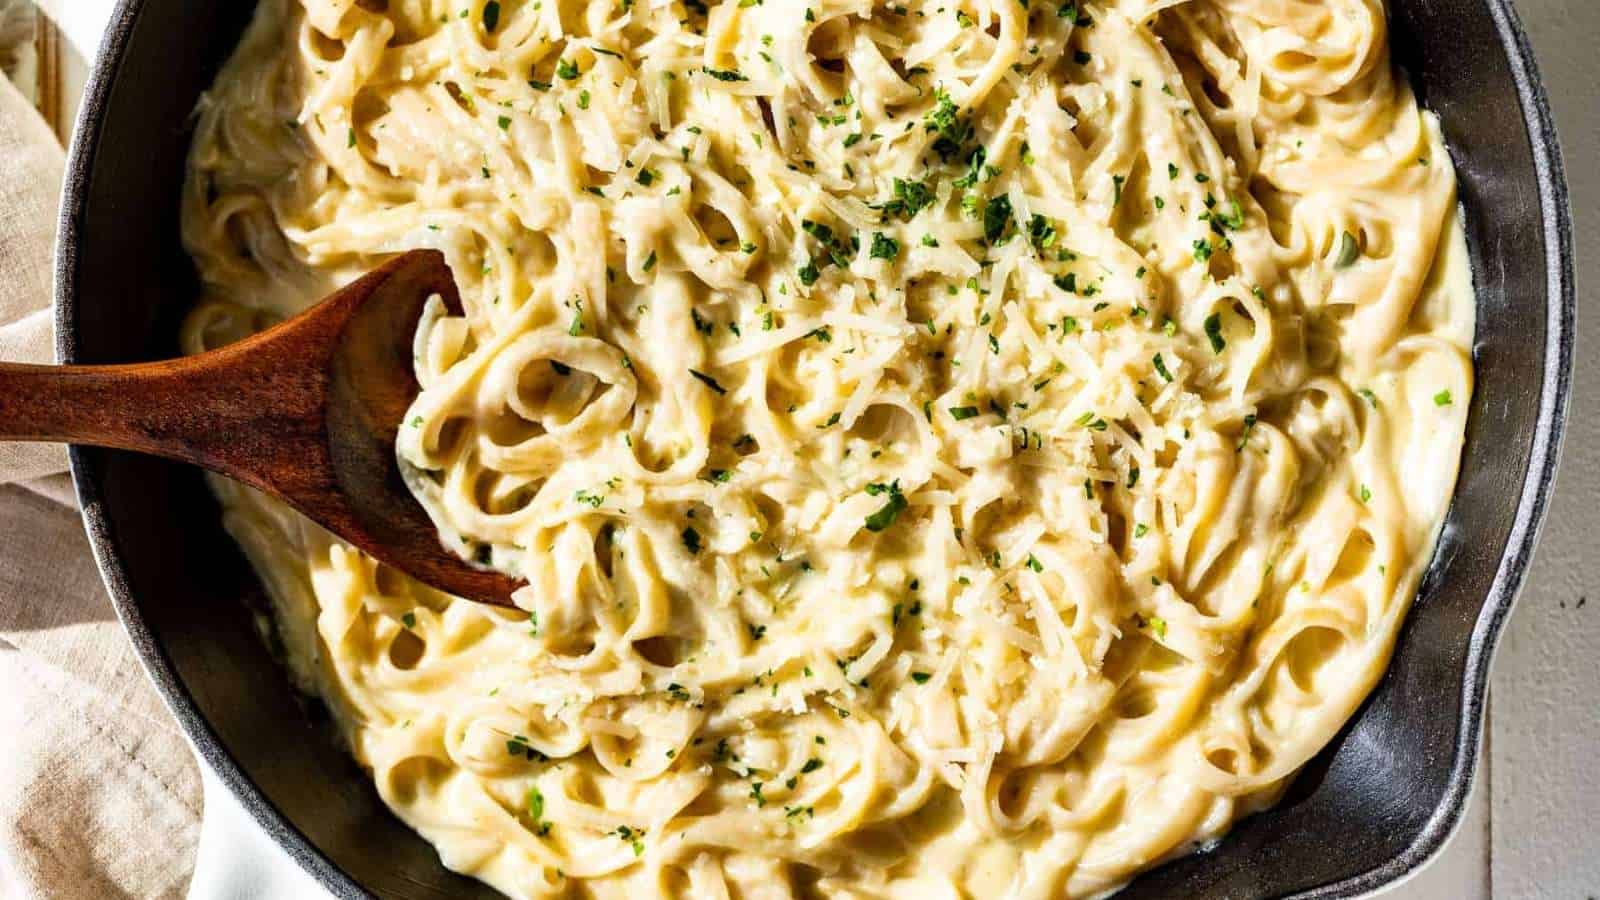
(955,447)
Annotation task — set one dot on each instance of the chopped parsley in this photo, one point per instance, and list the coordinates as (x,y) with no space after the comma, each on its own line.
(1156,625)
(701,323)
(890,510)
(884,247)
(1234,220)
(1213,326)
(975,168)
(1041,232)
(517,745)
(1244,433)
(708,381)
(910,198)
(1161,367)
(633,835)
(1348,251)
(943,117)
(997,219)
(536,812)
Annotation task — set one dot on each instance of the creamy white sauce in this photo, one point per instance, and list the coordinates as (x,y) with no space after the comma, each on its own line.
(1002,540)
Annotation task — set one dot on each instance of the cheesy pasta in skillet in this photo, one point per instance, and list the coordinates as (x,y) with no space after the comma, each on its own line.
(956,448)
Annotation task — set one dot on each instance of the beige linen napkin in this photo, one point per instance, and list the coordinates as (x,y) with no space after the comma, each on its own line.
(99,796)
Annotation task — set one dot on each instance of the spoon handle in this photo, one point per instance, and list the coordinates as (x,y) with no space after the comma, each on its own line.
(129,407)
(221,410)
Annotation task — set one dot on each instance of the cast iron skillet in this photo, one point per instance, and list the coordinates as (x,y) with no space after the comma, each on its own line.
(1369,810)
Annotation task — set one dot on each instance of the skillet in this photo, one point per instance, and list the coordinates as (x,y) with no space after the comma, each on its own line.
(1368,811)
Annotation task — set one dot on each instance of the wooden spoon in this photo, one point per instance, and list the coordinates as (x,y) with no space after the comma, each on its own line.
(306,411)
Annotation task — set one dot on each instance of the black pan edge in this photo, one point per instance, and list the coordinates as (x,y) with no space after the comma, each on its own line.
(1554,399)
(1534,497)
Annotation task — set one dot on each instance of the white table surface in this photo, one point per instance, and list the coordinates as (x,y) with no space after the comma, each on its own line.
(1531,828)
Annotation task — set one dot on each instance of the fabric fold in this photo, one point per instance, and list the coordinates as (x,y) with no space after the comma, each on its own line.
(94,765)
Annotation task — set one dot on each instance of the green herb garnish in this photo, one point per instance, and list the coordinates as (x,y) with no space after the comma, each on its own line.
(708,381)
(890,511)
(997,219)
(1213,326)
(884,247)
(1348,251)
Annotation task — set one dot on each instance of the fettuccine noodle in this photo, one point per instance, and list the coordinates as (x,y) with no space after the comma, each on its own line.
(972,448)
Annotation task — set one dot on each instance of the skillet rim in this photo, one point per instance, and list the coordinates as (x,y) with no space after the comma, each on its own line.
(1500,600)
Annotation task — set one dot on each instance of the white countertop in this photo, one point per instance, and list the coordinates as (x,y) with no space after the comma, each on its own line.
(1531,828)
